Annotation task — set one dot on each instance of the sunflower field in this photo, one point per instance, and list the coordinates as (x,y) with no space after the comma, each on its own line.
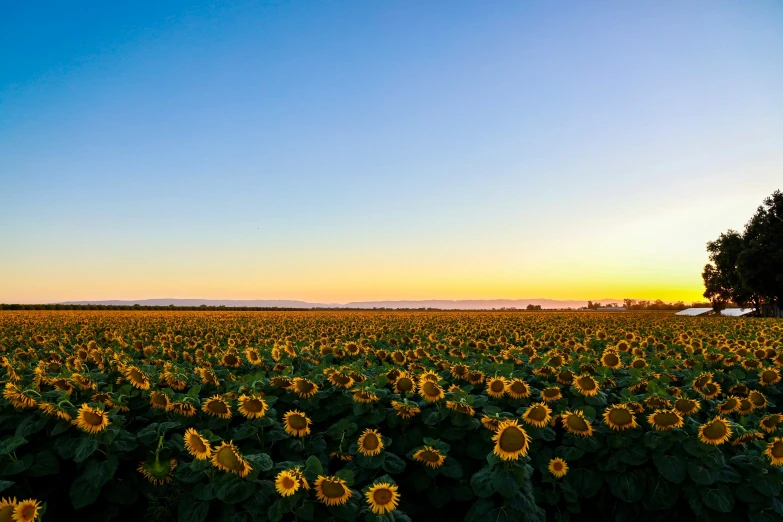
(389,416)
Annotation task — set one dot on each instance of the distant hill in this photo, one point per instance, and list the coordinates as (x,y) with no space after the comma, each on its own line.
(443,304)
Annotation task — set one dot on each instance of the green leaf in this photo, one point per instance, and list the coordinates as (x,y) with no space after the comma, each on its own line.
(586,483)
(86,447)
(82,493)
(479,510)
(5,484)
(701,474)
(661,494)
(481,483)
(232,490)
(451,468)
(46,463)
(123,492)
(720,498)
(13,467)
(10,444)
(506,482)
(260,461)
(190,510)
(346,475)
(97,473)
(31,425)
(671,467)
(393,464)
(767,482)
(314,466)
(628,486)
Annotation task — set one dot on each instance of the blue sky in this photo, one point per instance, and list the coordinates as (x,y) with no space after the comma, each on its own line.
(374,150)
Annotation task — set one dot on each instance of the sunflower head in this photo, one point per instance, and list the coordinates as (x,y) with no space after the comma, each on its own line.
(217,407)
(227,458)
(296,423)
(286,483)
(574,422)
(687,406)
(586,385)
(511,441)
(382,498)
(664,420)
(370,443)
(91,420)
(332,491)
(252,406)
(517,389)
(551,394)
(620,417)
(537,415)
(7,506)
(496,387)
(558,467)
(197,445)
(775,451)
(156,471)
(431,457)
(304,388)
(430,391)
(715,432)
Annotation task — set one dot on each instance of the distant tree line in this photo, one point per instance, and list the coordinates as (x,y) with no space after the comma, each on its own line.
(747,268)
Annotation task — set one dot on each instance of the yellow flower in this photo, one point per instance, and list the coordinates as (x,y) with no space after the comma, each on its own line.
(296,423)
(586,385)
(431,457)
(286,483)
(620,417)
(370,443)
(511,441)
(332,491)
(496,387)
(157,472)
(558,467)
(26,510)
(538,415)
(217,407)
(430,391)
(405,411)
(137,378)
(775,451)
(382,498)
(769,376)
(91,420)
(551,394)
(227,458)
(304,388)
(7,506)
(517,389)
(197,445)
(252,406)
(715,432)
(575,422)
(664,420)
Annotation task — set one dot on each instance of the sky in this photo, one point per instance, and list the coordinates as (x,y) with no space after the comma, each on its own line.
(338,151)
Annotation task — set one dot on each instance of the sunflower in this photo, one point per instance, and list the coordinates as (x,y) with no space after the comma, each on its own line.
(769,423)
(745,407)
(296,423)
(747,437)
(715,432)
(159,400)
(664,420)
(137,378)
(183,408)
(304,388)
(620,417)
(511,441)
(252,406)
(217,407)
(769,376)
(197,445)
(405,411)
(91,420)
(558,467)
(431,457)
(730,405)
(227,458)
(460,407)
(382,498)
(551,394)
(702,380)
(496,387)
(430,391)
(370,443)
(404,384)
(332,491)
(757,398)
(252,356)
(575,422)
(17,397)
(611,359)
(340,455)
(476,377)
(538,415)
(286,483)
(586,385)
(25,511)
(775,451)
(364,396)
(687,406)
(7,506)
(157,472)
(491,423)
(517,389)
(710,390)
(54,410)
(341,380)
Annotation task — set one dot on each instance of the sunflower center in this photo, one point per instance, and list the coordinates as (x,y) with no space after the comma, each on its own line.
(586,383)
(620,416)
(297,422)
(497,386)
(405,384)
(228,458)
(429,456)
(518,387)
(136,375)
(684,405)
(431,389)
(197,444)
(253,405)
(304,386)
(382,496)
(6,513)
(611,359)
(666,419)
(332,489)
(217,407)
(512,439)
(537,413)
(557,466)
(288,483)
(230,359)
(577,423)
(93,419)
(777,450)
(768,376)
(716,430)
(370,441)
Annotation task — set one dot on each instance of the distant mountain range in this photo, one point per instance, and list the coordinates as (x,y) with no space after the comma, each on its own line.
(444,304)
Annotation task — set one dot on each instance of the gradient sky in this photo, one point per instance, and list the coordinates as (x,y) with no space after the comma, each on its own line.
(354,150)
